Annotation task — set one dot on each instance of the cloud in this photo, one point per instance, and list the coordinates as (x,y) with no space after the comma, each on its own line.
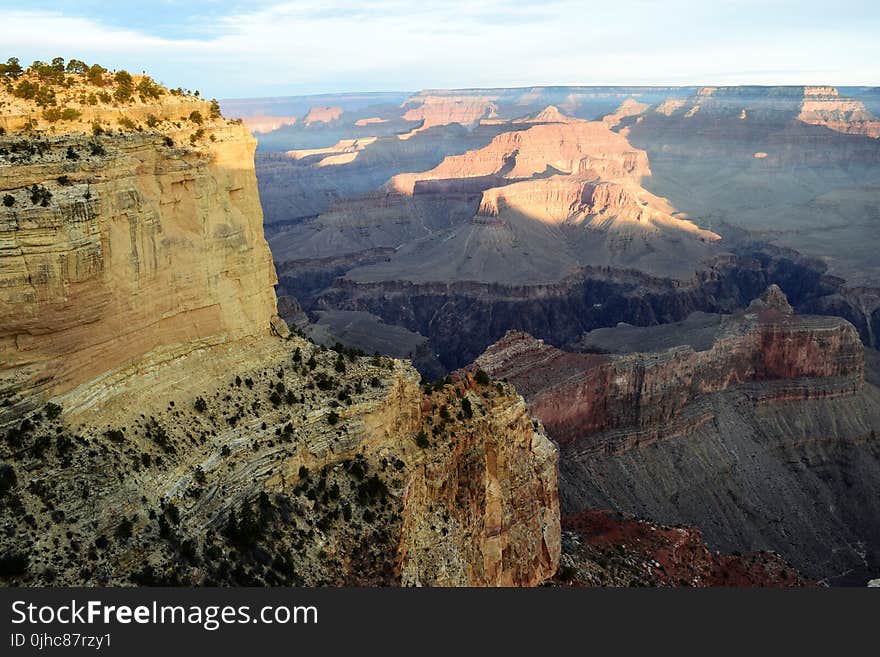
(342,45)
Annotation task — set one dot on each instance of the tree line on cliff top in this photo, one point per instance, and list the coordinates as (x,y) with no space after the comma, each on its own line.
(38,82)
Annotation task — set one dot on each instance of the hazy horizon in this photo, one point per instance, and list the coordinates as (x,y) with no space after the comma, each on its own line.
(267,48)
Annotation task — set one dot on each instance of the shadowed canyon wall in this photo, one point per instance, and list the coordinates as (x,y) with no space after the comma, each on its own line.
(758,428)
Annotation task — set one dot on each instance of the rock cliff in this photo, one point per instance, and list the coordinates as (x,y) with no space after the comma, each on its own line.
(322,115)
(575,147)
(824,106)
(115,241)
(317,468)
(190,438)
(639,398)
(436,110)
(758,428)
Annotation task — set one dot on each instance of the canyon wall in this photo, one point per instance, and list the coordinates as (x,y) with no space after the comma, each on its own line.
(146,239)
(463,318)
(758,428)
(161,425)
(638,398)
(313,468)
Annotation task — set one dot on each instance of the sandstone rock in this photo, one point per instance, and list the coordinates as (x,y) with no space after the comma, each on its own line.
(824,106)
(607,402)
(322,115)
(455,488)
(433,110)
(145,244)
(139,296)
(279,327)
(774,299)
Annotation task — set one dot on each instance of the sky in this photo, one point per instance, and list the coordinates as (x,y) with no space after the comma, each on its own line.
(262,48)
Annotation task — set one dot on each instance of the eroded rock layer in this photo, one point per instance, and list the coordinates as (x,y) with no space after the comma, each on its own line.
(138,240)
(190,437)
(757,428)
(316,468)
(579,397)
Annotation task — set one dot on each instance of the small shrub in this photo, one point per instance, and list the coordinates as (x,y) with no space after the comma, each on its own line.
(8,200)
(8,480)
(52,114)
(124,86)
(40,195)
(124,530)
(332,418)
(13,564)
(482,378)
(95,75)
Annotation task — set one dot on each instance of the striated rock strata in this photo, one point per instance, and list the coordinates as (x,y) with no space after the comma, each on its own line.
(611,402)
(147,239)
(160,424)
(757,428)
(315,468)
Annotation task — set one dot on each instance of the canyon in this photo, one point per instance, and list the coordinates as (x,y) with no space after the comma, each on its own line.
(637,324)
(162,425)
(758,427)
(571,188)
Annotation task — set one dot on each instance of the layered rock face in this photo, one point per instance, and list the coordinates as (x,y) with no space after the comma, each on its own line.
(605,206)
(463,318)
(824,106)
(190,438)
(757,428)
(575,147)
(322,115)
(434,110)
(146,239)
(315,468)
(637,399)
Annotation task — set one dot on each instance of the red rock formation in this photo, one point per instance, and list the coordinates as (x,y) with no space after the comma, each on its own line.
(604,548)
(824,106)
(322,115)
(581,147)
(644,397)
(445,109)
(597,204)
